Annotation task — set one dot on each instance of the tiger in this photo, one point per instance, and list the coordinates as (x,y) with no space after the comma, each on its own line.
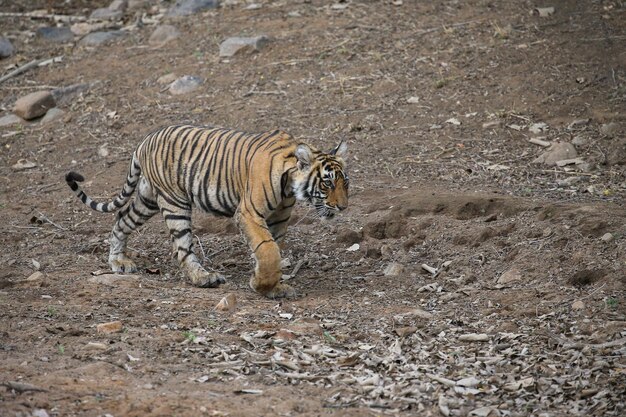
(254,177)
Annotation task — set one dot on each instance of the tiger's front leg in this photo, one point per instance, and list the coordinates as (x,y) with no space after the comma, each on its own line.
(267,272)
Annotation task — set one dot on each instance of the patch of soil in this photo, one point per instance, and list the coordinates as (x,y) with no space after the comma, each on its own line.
(437,102)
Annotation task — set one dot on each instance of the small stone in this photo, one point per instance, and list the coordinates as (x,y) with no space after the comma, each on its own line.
(106,14)
(557,152)
(110,327)
(188,7)
(580,140)
(23,165)
(233,46)
(413,100)
(512,275)
(10,119)
(56,34)
(578,123)
(405,331)
(227,304)
(53,114)
(609,129)
(101,38)
(167,78)
(185,84)
(34,105)
(35,276)
(163,34)
(578,305)
(607,237)
(393,269)
(6,48)
(118,5)
(95,346)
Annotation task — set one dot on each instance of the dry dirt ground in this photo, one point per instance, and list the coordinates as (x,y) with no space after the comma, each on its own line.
(524,312)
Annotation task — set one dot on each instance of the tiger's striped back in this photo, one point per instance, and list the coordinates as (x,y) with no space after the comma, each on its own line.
(210,167)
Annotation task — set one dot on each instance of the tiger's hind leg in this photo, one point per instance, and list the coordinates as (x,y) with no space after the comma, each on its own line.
(178,220)
(137,213)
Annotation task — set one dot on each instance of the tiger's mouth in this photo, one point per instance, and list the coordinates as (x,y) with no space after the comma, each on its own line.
(323,211)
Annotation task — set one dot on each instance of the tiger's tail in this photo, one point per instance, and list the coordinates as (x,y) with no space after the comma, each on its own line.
(73,178)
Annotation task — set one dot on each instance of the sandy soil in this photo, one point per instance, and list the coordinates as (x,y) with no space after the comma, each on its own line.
(524,313)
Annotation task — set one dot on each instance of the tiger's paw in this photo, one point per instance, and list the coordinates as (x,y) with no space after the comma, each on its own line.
(122,264)
(281,291)
(205,279)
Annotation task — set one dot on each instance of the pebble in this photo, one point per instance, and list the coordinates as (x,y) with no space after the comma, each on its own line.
(609,129)
(23,165)
(233,46)
(227,304)
(188,7)
(35,276)
(537,128)
(83,28)
(163,34)
(607,237)
(185,84)
(96,346)
(53,114)
(56,34)
(167,78)
(34,105)
(119,5)
(512,275)
(474,337)
(580,140)
(393,269)
(6,48)
(557,152)
(101,38)
(10,119)
(40,412)
(578,305)
(110,327)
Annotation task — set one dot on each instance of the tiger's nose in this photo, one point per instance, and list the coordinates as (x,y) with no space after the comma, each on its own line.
(342,207)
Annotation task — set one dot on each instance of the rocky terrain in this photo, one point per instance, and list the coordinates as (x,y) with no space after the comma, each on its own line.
(480,267)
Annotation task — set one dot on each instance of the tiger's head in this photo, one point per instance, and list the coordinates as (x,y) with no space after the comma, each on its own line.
(321,179)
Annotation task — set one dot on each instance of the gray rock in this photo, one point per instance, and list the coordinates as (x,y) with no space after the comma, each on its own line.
(119,5)
(55,34)
(557,152)
(232,46)
(580,140)
(607,237)
(188,7)
(106,14)
(163,34)
(185,84)
(10,119)
(609,129)
(101,38)
(34,105)
(53,114)
(6,48)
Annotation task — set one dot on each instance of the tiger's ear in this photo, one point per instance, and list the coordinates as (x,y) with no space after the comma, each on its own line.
(341,150)
(304,155)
